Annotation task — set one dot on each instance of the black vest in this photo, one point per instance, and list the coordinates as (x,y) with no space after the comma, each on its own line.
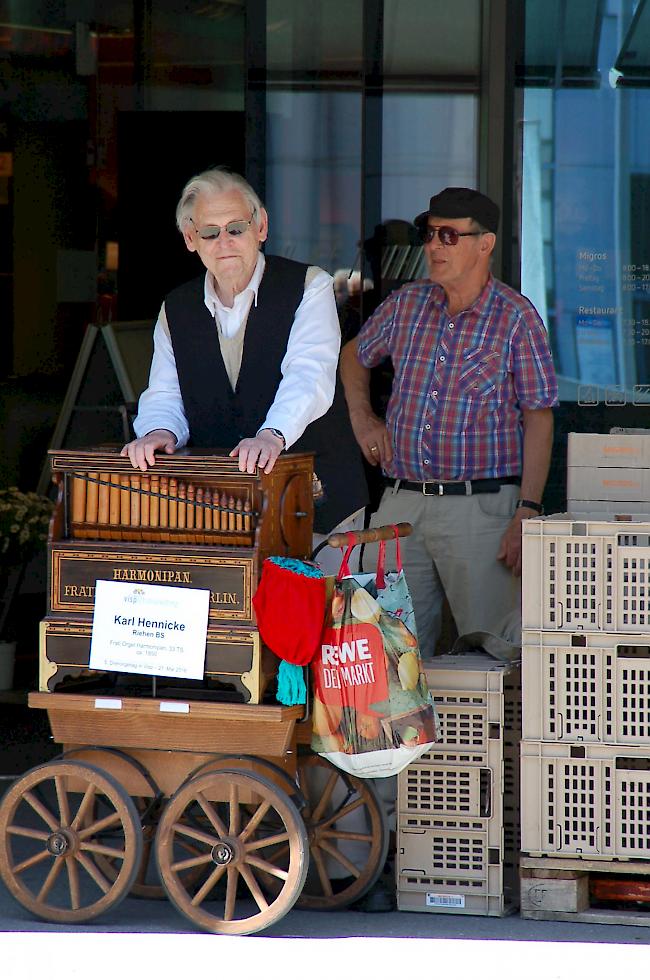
(219,417)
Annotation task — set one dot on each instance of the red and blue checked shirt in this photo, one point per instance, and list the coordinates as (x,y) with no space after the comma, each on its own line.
(461,382)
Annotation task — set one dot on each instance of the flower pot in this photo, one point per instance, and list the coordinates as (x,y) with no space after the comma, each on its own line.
(7,658)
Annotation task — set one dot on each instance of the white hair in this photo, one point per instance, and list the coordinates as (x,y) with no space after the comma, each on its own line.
(217,180)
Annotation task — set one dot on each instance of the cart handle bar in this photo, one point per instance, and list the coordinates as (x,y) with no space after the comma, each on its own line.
(384,533)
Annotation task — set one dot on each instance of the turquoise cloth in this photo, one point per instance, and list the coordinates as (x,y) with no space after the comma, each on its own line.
(291,684)
(297,565)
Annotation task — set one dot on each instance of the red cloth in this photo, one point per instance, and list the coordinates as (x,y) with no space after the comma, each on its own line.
(290,611)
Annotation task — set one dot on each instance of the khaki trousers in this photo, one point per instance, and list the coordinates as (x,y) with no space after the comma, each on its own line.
(452,552)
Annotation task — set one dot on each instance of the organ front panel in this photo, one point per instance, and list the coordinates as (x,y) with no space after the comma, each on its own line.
(193,520)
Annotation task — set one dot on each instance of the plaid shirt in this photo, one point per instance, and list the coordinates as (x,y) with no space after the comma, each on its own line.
(461,382)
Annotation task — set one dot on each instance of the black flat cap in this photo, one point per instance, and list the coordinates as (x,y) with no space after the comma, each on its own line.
(462,202)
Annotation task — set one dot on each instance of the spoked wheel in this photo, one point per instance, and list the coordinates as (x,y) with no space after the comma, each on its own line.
(56,821)
(235,848)
(348,835)
(146,883)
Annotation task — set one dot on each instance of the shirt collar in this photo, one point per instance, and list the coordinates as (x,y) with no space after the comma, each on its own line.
(480,305)
(213,302)
(482,302)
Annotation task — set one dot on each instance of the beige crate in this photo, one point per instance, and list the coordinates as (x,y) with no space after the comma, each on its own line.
(607,510)
(452,896)
(456,870)
(478,701)
(585,574)
(586,687)
(609,484)
(588,799)
(429,790)
(463,799)
(612,449)
(458,805)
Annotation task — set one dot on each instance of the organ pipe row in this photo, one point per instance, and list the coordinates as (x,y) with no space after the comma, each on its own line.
(149,507)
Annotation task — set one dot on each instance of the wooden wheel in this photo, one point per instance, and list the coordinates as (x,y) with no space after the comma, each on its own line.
(146,883)
(267,768)
(55,821)
(235,849)
(348,835)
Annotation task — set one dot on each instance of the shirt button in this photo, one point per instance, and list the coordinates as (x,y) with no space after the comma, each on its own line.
(435,393)
(427,462)
(442,357)
(451,326)
(427,427)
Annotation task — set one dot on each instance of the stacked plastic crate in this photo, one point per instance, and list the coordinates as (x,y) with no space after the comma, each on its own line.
(458,806)
(609,473)
(585,753)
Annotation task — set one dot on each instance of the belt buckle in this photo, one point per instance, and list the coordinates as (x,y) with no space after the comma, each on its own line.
(434,493)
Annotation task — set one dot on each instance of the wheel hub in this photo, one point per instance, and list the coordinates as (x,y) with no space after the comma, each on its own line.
(223,853)
(59,843)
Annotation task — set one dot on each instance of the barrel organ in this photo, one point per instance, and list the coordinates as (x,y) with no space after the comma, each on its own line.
(193,521)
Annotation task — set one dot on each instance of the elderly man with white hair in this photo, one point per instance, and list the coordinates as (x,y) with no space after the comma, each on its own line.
(245,355)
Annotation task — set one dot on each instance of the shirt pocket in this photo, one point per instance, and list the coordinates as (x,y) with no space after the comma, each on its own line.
(480,374)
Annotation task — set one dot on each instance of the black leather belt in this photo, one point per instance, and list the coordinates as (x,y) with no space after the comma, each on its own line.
(464,487)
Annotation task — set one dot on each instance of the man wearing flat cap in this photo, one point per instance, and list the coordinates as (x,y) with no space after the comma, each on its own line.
(466,445)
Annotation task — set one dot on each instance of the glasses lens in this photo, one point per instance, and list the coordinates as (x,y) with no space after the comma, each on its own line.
(209,233)
(237,227)
(448,235)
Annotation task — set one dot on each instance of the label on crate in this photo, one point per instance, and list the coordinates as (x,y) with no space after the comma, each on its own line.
(440,900)
(149,629)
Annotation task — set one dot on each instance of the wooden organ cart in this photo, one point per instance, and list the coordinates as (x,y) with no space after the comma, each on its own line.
(204,776)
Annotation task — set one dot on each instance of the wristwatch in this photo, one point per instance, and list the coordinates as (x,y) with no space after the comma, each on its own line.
(276,432)
(530,504)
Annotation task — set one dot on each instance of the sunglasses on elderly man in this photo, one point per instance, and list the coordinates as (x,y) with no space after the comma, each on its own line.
(210,233)
(446,234)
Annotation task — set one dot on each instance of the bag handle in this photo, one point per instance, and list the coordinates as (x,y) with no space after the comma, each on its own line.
(344,570)
(381,558)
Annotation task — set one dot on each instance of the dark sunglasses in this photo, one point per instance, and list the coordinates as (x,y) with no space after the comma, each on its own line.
(446,234)
(210,233)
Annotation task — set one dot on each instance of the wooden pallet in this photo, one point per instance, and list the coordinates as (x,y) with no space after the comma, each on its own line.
(563,889)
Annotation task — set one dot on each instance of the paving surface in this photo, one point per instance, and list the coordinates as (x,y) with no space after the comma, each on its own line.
(150,935)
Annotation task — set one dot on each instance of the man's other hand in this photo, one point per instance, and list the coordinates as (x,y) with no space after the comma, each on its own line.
(262,450)
(142,451)
(371,434)
(510,549)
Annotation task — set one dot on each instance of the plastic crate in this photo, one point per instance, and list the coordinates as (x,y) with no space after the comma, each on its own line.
(584,574)
(459,866)
(608,510)
(612,449)
(436,789)
(607,483)
(586,687)
(458,805)
(590,800)
(478,700)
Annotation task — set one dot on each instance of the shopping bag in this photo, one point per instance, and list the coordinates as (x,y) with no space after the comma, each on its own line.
(372,713)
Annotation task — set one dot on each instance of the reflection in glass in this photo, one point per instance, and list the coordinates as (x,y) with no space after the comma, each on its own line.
(313,171)
(585,200)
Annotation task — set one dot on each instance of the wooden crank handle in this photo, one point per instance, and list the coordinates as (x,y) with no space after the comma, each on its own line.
(385,533)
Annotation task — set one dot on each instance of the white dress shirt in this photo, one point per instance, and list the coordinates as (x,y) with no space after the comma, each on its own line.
(308,367)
